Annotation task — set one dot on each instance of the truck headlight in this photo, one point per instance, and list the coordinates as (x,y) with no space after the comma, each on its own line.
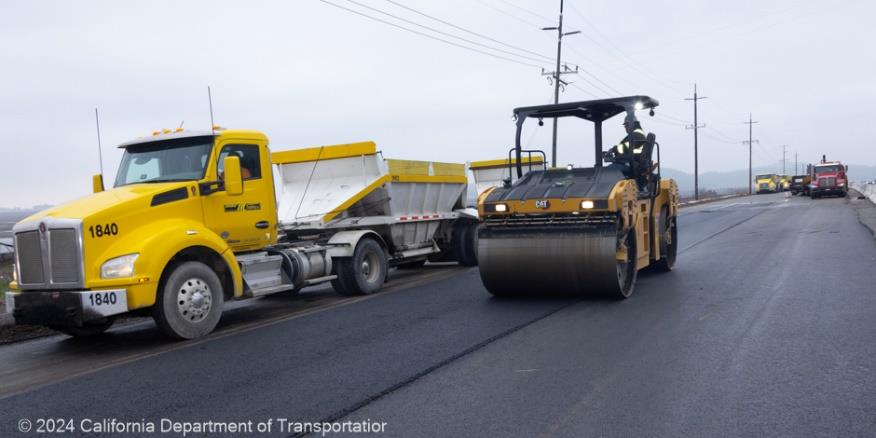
(586,205)
(501,208)
(119,267)
(15,274)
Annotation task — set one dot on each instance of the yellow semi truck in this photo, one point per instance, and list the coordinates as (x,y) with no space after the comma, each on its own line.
(785,182)
(767,183)
(196,219)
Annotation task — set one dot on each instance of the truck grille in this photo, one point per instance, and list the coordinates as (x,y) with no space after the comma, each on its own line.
(64,253)
(30,257)
(52,261)
(827,182)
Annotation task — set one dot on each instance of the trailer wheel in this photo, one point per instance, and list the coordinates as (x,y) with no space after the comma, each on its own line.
(189,302)
(668,242)
(467,245)
(92,328)
(364,272)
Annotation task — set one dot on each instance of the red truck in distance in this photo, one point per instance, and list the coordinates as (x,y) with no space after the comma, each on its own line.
(829,178)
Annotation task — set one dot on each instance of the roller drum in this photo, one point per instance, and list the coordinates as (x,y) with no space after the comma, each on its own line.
(555,260)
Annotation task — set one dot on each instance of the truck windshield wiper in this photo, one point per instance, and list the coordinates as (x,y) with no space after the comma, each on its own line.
(160,180)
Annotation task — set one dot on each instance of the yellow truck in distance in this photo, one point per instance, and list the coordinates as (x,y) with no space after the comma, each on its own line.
(768,183)
(785,182)
(199,218)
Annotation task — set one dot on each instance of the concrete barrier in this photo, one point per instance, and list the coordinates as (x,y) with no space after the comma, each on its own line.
(691,203)
(868,190)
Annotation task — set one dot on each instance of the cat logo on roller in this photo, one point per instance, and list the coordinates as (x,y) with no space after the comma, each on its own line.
(580,230)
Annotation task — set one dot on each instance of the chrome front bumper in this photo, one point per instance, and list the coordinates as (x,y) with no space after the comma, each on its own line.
(65,308)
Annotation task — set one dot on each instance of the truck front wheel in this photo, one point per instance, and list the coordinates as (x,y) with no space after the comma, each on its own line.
(189,301)
(363,273)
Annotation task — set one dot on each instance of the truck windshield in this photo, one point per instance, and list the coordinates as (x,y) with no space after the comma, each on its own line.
(765,177)
(824,169)
(183,159)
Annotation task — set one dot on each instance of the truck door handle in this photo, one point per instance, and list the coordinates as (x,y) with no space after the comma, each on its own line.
(262,225)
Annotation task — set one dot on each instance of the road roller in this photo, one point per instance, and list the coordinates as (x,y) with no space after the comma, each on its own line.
(582,231)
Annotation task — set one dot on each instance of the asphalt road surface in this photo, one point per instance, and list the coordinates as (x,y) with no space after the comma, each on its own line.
(765,328)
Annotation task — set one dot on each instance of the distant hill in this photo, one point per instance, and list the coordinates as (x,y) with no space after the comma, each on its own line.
(722,182)
(25,210)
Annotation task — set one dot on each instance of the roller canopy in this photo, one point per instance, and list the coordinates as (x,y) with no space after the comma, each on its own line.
(593,110)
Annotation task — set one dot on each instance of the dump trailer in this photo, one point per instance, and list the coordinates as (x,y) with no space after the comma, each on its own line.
(584,230)
(196,219)
(491,173)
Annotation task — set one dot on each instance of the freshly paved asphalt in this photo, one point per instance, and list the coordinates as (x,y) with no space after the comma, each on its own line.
(766,327)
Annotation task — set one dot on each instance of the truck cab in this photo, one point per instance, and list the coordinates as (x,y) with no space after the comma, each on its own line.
(800,184)
(785,182)
(767,183)
(178,197)
(829,178)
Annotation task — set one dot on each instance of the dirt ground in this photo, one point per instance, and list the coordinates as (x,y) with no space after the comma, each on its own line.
(5,278)
(15,333)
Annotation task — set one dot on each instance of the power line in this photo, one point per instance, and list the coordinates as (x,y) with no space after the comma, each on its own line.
(461,46)
(593,64)
(440,32)
(664,122)
(468,31)
(719,139)
(754,24)
(583,90)
(508,14)
(671,117)
(620,55)
(600,81)
(508,45)
(597,87)
(528,11)
(721,133)
(577,65)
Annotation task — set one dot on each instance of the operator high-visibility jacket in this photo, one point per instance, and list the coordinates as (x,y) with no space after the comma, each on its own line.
(638,138)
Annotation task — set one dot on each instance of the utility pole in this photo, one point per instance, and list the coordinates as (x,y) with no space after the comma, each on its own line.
(695,127)
(750,141)
(784,151)
(556,76)
(795,164)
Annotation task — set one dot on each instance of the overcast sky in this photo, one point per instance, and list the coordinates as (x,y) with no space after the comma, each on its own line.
(308,73)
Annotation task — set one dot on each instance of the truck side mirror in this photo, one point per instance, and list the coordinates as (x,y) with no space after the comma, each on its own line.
(97,183)
(847,167)
(233,178)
